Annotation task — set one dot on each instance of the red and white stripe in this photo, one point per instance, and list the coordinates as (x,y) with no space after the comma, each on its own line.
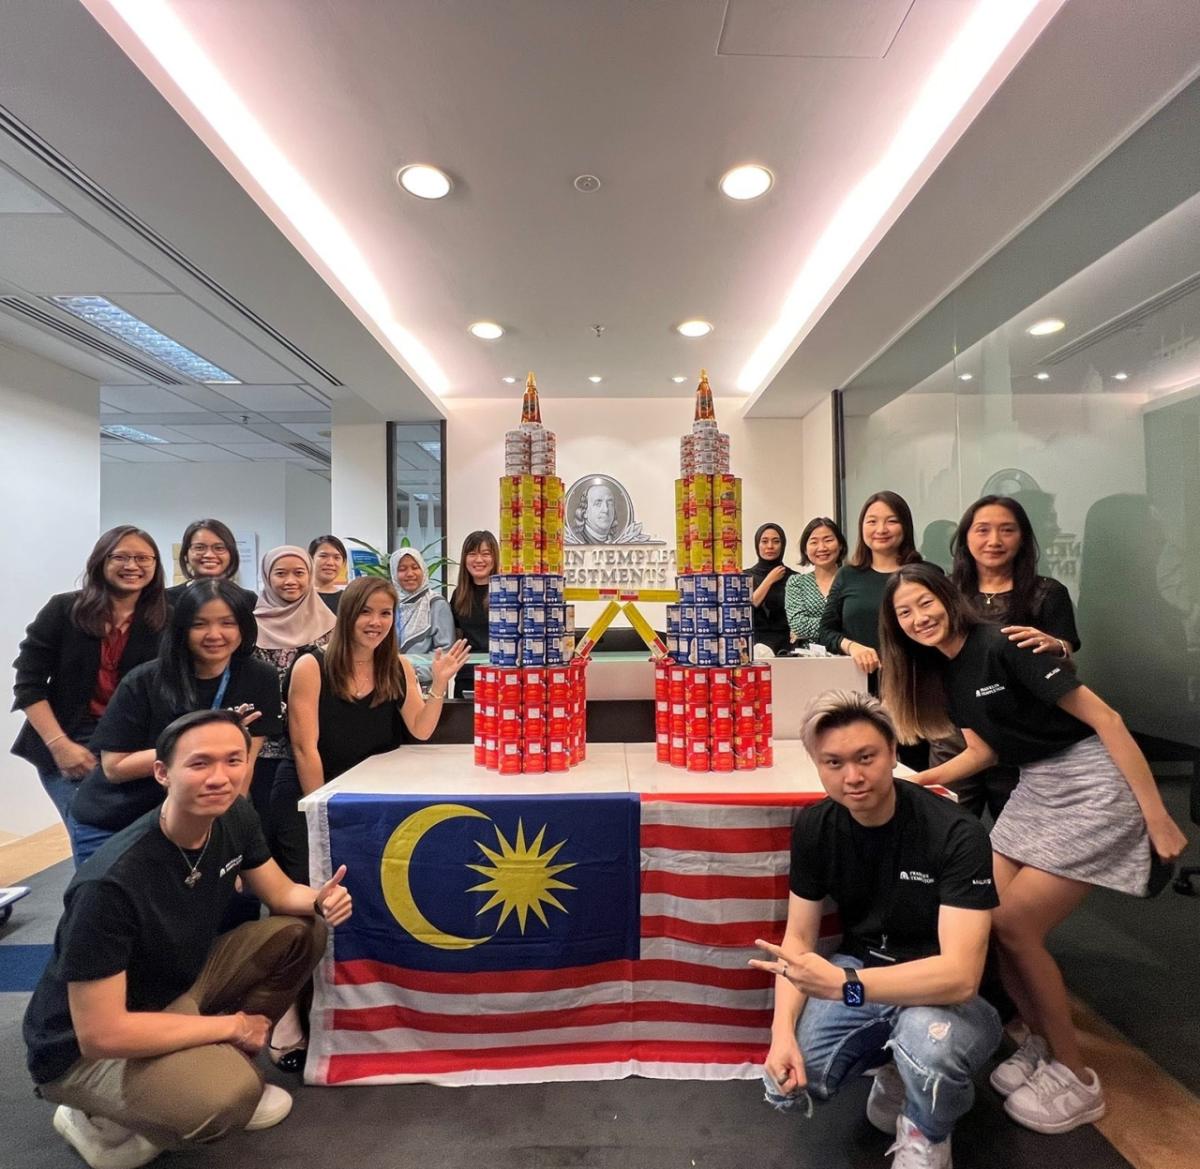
(714,878)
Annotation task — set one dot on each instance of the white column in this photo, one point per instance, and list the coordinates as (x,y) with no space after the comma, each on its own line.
(359,502)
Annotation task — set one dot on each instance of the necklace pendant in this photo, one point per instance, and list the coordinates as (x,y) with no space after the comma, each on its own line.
(192,878)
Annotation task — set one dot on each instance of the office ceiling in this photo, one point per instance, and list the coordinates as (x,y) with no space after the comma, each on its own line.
(515,98)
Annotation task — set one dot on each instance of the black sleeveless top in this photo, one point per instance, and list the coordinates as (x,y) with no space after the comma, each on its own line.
(353,730)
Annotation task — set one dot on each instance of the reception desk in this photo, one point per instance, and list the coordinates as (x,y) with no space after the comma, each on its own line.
(591,924)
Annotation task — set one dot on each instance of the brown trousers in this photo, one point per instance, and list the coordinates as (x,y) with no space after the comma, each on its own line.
(201,1093)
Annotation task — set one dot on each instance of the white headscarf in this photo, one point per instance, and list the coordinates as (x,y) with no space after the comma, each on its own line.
(412,613)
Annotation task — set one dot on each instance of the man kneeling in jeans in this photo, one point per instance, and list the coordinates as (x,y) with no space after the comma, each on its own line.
(145,1023)
(911,875)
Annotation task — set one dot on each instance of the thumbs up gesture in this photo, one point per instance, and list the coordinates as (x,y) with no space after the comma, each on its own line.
(333,902)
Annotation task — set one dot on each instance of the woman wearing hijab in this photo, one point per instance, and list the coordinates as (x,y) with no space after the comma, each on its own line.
(292,619)
(768,578)
(424,619)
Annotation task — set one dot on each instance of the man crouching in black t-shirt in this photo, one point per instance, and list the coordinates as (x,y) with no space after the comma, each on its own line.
(911,875)
(145,1024)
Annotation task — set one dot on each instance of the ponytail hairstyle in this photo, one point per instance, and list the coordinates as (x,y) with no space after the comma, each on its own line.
(913,687)
(93,606)
(176,668)
(965,572)
(462,600)
(339,653)
(907,552)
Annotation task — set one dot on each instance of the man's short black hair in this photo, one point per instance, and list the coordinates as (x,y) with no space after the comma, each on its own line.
(164,748)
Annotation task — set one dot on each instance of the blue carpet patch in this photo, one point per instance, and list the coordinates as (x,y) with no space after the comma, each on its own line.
(22,966)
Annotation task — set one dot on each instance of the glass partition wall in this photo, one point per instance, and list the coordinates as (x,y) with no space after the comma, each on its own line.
(1085,406)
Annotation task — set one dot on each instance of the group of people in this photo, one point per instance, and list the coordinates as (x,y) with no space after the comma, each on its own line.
(976,667)
(151,710)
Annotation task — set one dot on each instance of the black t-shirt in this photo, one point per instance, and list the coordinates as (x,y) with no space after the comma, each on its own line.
(890,882)
(138,714)
(474,622)
(1052,611)
(1008,697)
(128,909)
(350,731)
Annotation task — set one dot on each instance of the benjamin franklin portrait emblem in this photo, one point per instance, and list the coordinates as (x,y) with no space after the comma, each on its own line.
(599,511)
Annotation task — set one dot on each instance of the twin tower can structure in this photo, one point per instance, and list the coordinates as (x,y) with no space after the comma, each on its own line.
(712,703)
(530,699)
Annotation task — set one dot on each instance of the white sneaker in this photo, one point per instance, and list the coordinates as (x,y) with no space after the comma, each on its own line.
(101,1142)
(1054,1100)
(1008,1076)
(914,1150)
(886,1099)
(273,1105)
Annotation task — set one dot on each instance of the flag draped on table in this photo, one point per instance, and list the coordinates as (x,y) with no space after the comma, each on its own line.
(517,939)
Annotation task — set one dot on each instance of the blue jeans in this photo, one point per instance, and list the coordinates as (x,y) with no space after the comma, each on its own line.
(61,790)
(86,838)
(937,1051)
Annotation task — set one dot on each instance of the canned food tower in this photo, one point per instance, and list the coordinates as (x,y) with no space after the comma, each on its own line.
(712,702)
(530,698)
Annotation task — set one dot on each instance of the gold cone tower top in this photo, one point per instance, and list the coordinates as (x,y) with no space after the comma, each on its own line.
(705,412)
(531,409)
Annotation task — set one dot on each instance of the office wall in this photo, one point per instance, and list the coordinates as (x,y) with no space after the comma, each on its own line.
(817,489)
(306,505)
(50,483)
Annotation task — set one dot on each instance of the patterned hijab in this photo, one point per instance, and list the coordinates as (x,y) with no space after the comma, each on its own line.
(412,613)
(290,624)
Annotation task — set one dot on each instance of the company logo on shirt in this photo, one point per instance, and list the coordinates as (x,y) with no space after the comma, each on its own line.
(1056,670)
(993,688)
(982,881)
(236,863)
(914,875)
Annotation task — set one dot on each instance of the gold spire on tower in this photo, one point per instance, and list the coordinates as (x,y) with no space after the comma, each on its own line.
(705,411)
(531,410)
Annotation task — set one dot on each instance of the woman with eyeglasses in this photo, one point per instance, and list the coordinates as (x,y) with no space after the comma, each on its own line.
(208,551)
(205,662)
(77,650)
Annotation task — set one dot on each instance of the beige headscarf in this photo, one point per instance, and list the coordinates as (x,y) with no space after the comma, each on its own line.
(290,624)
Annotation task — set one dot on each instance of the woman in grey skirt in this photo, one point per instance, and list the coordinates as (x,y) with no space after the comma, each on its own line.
(1086,810)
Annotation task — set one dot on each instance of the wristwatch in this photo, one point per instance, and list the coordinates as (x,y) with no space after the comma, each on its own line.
(854,994)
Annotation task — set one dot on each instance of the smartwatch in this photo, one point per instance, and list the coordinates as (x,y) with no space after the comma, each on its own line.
(854,994)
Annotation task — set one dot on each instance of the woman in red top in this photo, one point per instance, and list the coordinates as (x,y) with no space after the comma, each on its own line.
(78,648)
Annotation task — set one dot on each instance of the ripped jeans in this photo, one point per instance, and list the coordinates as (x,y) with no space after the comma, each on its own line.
(937,1051)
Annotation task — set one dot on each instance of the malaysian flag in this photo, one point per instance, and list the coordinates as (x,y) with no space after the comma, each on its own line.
(520,939)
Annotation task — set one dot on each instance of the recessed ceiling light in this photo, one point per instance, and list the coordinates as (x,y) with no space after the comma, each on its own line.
(746,182)
(424,181)
(677,380)
(694,329)
(965,377)
(510,380)
(486,330)
(1043,328)
(595,379)
(103,314)
(1042,376)
(1121,376)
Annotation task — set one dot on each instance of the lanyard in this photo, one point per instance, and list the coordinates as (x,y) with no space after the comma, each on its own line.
(220,695)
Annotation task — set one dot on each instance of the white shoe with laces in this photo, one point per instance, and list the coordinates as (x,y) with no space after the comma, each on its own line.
(886,1100)
(273,1105)
(1008,1076)
(101,1142)
(1055,1100)
(914,1150)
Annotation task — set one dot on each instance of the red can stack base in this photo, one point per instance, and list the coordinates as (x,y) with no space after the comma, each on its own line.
(713,718)
(530,719)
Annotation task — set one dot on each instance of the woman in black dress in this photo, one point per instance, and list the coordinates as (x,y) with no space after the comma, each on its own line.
(469,601)
(768,580)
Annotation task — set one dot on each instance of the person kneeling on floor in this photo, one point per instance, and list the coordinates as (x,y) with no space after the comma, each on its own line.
(911,875)
(145,1023)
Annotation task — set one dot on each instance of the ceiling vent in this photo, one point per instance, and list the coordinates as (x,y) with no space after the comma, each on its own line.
(79,337)
(310,452)
(1131,317)
(41,149)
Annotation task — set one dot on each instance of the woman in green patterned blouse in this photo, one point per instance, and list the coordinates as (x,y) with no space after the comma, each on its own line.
(822,546)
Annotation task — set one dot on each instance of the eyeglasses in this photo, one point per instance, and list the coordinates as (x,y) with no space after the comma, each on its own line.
(121,559)
(200,549)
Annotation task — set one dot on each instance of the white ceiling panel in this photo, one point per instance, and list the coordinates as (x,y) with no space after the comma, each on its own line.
(105,408)
(261,450)
(272,399)
(107,457)
(206,453)
(53,255)
(186,322)
(133,452)
(155,430)
(147,400)
(17,197)
(813,28)
(314,432)
(216,431)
